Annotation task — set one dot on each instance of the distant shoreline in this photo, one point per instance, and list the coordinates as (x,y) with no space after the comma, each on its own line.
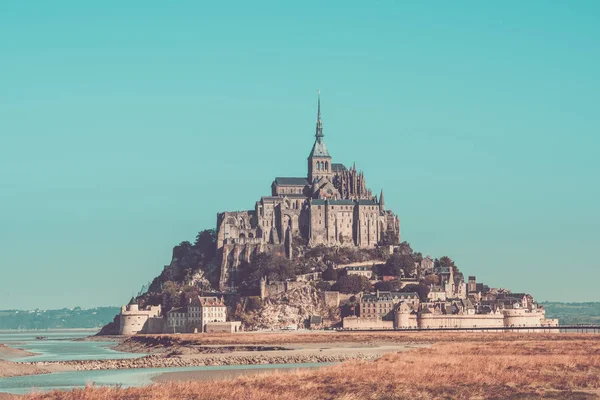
(50,330)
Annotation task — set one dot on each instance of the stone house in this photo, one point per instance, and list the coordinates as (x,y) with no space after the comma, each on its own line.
(382,304)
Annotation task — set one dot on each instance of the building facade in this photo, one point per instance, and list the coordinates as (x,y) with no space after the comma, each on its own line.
(383,304)
(196,315)
(134,320)
(330,206)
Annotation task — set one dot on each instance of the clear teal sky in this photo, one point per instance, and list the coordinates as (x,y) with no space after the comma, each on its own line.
(126,126)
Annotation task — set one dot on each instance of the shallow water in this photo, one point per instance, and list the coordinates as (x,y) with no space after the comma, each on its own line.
(121,377)
(57,348)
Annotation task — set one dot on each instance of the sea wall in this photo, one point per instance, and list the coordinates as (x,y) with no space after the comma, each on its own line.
(433,321)
(366,323)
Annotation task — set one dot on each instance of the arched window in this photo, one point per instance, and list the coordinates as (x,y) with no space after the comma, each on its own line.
(317,166)
(326,166)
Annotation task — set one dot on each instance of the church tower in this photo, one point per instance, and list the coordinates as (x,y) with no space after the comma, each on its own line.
(319,160)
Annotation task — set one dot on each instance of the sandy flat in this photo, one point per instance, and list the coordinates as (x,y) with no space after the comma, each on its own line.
(8,368)
(12,352)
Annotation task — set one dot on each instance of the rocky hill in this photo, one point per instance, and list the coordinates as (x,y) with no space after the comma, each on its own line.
(289,309)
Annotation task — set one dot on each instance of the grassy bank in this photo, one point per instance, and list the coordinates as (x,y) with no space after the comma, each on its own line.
(462,366)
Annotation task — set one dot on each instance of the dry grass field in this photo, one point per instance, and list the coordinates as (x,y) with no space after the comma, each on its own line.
(457,366)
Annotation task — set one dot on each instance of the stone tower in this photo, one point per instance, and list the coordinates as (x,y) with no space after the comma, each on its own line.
(319,160)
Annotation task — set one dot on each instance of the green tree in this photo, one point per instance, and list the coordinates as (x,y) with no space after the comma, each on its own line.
(420,289)
(401,265)
(170,296)
(330,274)
(351,284)
(206,245)
(323,286)
(389,286)
(263,265)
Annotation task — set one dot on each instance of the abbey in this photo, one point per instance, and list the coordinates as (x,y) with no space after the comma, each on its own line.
(330,206)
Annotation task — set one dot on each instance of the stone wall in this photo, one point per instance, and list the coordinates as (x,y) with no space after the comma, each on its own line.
(366,323)
(523,317)
(432,321)
(270,289)
(132,320)
(155,325)
(331,299)
(223,327)
(406,321)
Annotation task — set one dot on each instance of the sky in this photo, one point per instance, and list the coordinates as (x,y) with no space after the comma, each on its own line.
(126,126)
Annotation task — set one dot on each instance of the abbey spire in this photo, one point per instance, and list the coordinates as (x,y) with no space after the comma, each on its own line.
(319,160)
(319,135)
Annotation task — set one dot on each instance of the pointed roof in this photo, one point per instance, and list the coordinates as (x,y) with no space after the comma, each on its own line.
(381,200)
(319,149)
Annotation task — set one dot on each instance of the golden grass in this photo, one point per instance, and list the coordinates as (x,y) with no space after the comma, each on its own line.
(458,366)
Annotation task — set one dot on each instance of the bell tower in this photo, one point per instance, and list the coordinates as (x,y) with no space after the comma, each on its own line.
(319,160)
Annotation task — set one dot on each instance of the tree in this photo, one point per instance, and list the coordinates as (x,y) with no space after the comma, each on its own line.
(401,265)
(206,245)
(447,262)
(388,286)
(431,279)
(170,296)
(420,289)
(323,286)
(263,265)
(351,284)
(330,274)
(389,238)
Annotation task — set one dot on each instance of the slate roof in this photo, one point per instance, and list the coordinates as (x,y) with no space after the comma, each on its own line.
(338,167)
(177,310)
(318,202)
(367,203)
(291,181)
(386,296)
(319,149)
(342,202)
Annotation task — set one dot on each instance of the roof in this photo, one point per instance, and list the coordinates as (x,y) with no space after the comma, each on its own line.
(387,296)
(177,310)
(291,181)
(319,149)
(341,202)
(211,302)
(338,167)
(366,203)
(319,202)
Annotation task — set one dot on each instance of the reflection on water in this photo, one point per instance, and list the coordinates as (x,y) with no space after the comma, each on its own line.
(122,377)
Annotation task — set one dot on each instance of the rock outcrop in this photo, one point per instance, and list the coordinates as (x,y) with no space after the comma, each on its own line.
(290,309)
